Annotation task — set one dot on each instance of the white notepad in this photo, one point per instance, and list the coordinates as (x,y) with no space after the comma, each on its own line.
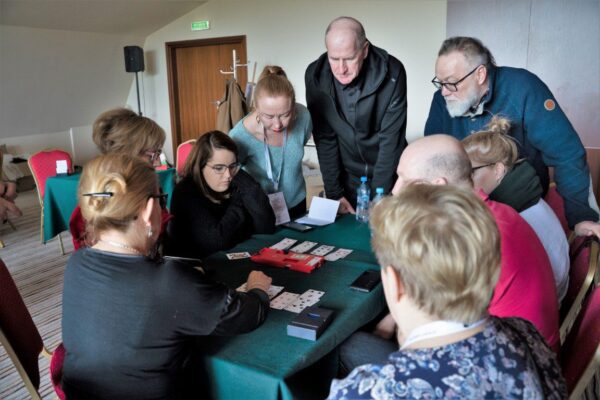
(322,212)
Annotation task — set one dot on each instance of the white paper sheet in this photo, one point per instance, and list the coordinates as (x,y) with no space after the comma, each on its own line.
(322,212)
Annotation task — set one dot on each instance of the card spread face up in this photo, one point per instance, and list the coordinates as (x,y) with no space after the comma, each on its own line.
(322,212)
(306,299)
(238,256)
(284,244)
(322,250)
(283,300)
(336,255)
(303,247)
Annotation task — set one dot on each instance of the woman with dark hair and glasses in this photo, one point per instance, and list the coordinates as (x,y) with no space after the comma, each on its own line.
(215,206)
(130,322)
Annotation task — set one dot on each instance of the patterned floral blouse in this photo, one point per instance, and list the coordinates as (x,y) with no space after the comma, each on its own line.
(507,360)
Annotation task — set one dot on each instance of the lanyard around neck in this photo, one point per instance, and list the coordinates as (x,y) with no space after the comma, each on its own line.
(438,328)
(268,163)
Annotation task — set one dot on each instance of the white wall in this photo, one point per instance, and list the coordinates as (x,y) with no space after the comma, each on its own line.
(557,40)
(52,80)
(291,34)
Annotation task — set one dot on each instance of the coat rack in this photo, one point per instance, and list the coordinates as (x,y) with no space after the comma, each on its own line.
(235,65)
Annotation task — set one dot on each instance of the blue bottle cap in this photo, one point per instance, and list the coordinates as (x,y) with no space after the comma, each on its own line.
(363,179)
(379,190)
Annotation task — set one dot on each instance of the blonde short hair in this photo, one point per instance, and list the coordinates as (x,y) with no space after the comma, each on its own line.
(130,182)
(444,244)
(493,145)
(121,130)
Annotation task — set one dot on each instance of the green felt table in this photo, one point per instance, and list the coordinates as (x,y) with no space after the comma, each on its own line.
(60,199)
(268,364)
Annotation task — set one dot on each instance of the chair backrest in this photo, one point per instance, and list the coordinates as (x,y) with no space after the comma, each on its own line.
(584,252)
(18,334)
(183,151)
(77,229)
(556,202)
(43,166)
(580,354)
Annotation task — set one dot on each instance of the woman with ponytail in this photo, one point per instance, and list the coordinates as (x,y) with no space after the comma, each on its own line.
(498,171)
(271,139)
(129,318)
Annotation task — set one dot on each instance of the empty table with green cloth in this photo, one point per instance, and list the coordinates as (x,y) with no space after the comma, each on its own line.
(60,199)
(268,364)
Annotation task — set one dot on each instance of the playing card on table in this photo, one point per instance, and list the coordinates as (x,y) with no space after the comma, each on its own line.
(303,247)
(336,255)
(322,250)
(285,298)
(272,292)
(284,244)
(306,299)
(238,256)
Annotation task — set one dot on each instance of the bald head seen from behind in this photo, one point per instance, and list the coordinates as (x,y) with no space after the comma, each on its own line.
(436,159)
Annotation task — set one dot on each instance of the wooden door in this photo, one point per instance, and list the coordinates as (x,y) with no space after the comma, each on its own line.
(195,83)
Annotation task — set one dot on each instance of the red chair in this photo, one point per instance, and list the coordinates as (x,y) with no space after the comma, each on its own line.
(580,354)
(77,229)
(20,337)
(183,151)
(556,202)
(43,166)
(584,265)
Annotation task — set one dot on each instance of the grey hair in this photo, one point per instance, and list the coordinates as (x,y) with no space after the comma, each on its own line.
(473,50)
(356,26)
(455,167)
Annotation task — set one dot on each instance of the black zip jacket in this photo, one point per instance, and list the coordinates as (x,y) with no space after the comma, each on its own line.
(376,137)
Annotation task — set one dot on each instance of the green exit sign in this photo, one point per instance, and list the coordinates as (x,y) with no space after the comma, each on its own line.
(200,25)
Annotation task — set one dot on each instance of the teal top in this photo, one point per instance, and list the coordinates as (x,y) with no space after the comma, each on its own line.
(252,157)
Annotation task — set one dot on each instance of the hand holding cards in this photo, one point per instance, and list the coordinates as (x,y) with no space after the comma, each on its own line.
(258,280)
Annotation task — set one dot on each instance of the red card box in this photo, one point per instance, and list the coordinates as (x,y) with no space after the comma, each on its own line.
(287,259)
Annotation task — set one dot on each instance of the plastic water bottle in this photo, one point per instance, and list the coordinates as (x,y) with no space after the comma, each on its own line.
(363,196)
(378,197)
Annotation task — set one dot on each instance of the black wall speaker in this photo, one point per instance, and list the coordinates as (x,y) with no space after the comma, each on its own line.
(134,58)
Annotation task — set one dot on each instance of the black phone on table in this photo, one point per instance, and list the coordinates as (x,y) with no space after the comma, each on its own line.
(297,227)
(366,281)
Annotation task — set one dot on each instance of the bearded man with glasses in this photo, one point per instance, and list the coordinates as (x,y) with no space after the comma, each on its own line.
(472,89)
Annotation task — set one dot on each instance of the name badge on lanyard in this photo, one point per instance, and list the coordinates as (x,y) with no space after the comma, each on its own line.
(276,198)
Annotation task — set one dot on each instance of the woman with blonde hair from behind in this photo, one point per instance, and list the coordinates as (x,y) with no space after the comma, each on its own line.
(498,171)
(122,131)
(271,139)
(129,320)
(439,251)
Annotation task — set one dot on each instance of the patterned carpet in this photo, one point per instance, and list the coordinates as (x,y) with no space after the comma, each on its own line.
(38,272)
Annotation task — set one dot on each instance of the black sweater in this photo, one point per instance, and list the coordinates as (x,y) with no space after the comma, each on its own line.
(200,227)
(128,324)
